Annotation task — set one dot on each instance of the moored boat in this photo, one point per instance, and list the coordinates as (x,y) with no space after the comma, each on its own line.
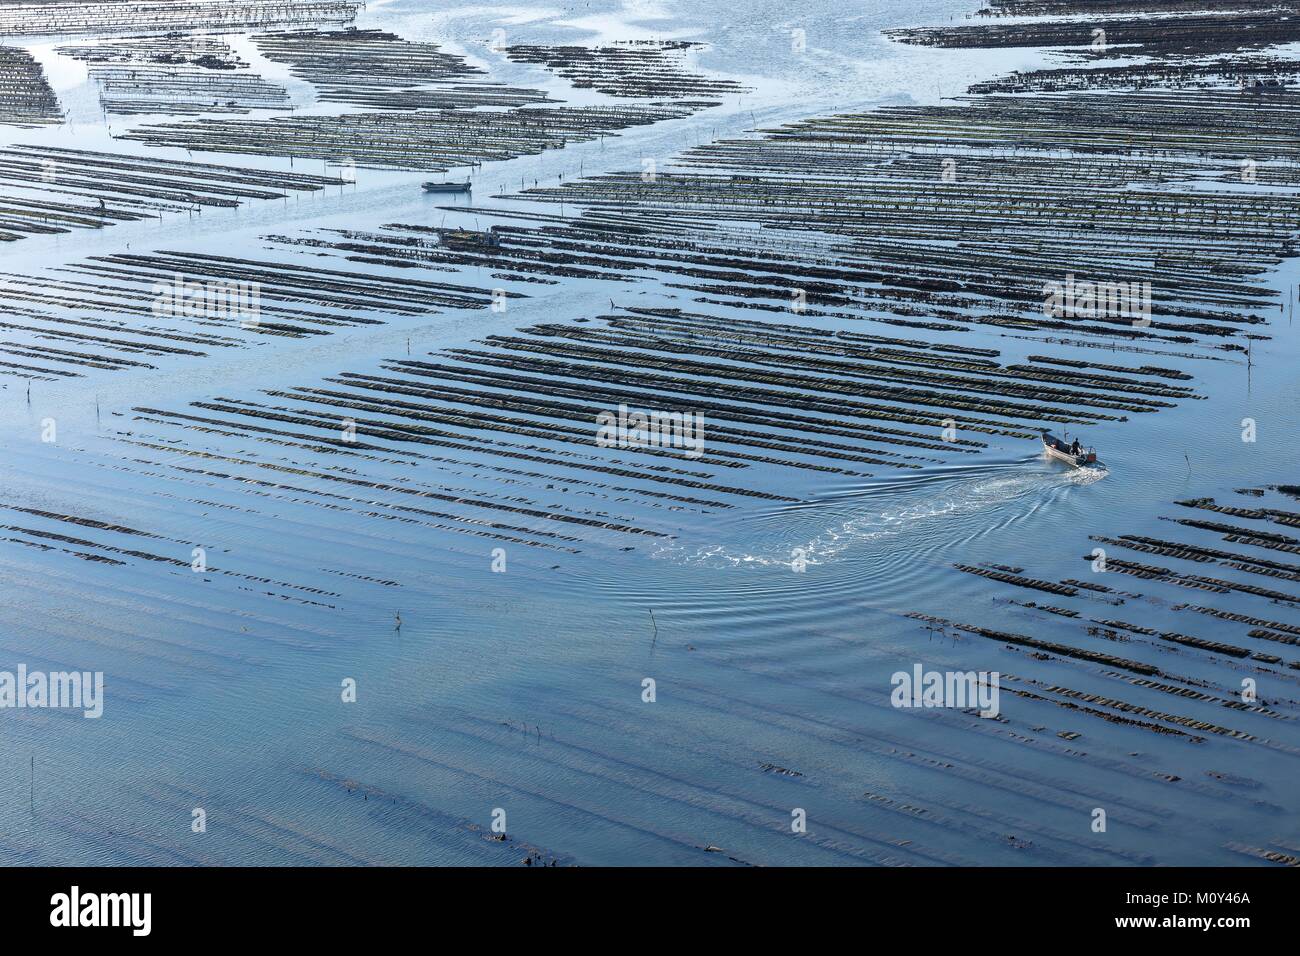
(447,187)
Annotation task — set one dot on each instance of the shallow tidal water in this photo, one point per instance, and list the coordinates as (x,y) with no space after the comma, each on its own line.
(523,690)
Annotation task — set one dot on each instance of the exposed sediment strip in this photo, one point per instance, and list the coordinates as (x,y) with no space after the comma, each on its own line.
(378,69)
(26,98)
(1162,29)
(50,190)
(918,214)
(432,140)
(40,18)
(637,68)
(175,75)
(1215,654)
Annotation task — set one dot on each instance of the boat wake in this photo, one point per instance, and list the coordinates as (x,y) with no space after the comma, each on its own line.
(912,519)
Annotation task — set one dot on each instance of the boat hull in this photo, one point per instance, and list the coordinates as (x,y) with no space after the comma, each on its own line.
(1054,449)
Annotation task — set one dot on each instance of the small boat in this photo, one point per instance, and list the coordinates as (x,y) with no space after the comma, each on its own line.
(447,187)
(1265,86)
(1055,448)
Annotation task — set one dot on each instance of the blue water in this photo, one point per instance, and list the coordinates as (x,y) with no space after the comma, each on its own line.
(523,690)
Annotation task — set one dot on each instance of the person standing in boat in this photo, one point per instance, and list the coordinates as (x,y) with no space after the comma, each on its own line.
(1074,449)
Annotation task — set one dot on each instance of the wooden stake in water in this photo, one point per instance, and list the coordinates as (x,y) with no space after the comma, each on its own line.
(33,791)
